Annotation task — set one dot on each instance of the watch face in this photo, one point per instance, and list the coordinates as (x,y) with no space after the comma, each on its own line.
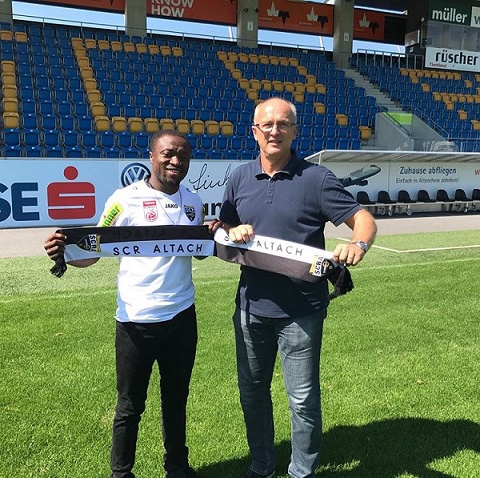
(363,245)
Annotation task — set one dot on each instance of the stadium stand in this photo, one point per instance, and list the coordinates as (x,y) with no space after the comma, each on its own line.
(68,91)
(446,101)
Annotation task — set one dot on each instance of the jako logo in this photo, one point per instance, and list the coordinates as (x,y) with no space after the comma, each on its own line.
(134,172)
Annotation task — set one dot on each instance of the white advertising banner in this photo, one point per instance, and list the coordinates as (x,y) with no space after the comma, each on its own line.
(393,176)
(69,192)
(448,59)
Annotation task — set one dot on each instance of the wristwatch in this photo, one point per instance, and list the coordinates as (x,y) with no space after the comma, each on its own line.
(362,245)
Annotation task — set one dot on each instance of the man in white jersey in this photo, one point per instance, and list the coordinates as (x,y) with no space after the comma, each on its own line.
(155,317)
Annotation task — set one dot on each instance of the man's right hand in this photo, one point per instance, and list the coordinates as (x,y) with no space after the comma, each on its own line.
(55,245)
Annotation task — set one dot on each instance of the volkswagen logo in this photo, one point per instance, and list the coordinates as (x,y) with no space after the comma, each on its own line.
(134,172)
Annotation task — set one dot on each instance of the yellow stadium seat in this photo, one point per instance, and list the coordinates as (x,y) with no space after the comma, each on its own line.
(288,86)
(90,84)
(135,125)
(310,79)
(243,57)
(86,72)
(263,59)
(9,91)
(222,55)
(116,45)
(244,84)
(83,62)
(197,126)
(10,120)
(462,114)
(6,35)
(283,60)
(80,53)
(310,88)
(299,87)
(298,97)
(232,56)
(229,65)
(274,60)
(129,46)
(226,128)
(21,37)
(302,70)
(341,119)
(182,126)
(10,105)
(252,94)
(119,124)
(293,61)
(9,79)
(102,123)
(212,127)
(321,88)
(77,43)
(475,125)
(319,108)
(167,123)
(8,66)
(94,95)
(141,47)
(103,44)
(153,49)
(151,125)
(177,51)
(365,133)
(255,84)
(236,73)
(165,50)
(277,85)
(253,58)
(90,43)
(98,108)
(267,85)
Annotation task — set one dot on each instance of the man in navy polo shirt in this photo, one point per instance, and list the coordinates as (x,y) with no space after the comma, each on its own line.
(282,196)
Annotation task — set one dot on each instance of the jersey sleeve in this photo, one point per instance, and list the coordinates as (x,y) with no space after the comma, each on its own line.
(115,212)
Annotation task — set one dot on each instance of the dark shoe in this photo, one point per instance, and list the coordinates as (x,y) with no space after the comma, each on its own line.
(185,472)
(253,474)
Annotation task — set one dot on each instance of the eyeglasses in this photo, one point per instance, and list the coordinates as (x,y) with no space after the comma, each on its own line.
(282,126)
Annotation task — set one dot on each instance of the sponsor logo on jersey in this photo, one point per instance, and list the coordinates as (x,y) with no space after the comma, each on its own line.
(111,216)
(189,212)
(150,210)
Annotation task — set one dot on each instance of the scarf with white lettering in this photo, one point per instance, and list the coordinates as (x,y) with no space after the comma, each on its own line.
(287,258)
(282,257)
(129,241)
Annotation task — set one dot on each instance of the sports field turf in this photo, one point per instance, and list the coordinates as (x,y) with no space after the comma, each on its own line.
(400,369)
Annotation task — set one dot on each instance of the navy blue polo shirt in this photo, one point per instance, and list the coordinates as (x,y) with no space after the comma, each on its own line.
(293,205)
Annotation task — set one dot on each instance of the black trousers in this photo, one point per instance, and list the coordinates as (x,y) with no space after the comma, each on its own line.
(172,344)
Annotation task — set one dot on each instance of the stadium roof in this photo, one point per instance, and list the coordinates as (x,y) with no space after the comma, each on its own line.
(366,156)
(394,5)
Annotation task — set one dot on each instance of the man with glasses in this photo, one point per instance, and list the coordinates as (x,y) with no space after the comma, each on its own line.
(282,196)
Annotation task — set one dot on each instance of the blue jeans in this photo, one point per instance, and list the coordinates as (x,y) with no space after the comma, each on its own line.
(299,342)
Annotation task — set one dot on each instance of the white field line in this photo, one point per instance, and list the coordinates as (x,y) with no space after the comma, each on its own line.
(430,249)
